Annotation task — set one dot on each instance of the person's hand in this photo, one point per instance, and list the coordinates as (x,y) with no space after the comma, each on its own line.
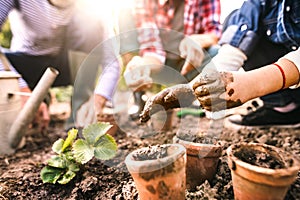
(90,111)
(190,48)
(172,97)
(42,116)
(86,113)
(137,73)
(222,90)
(100,102)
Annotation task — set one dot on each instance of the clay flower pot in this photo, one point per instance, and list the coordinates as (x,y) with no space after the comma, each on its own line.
(202,161)
(260,171)
(162,120)
(110,117)
(158,171)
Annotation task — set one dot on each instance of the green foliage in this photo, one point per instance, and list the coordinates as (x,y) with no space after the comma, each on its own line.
(72,152)
(62,94)
(5,35)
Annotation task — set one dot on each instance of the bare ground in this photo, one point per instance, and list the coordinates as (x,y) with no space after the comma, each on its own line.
(20,172)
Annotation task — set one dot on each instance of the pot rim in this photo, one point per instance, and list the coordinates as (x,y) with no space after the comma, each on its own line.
(9,75)
(142,166)
(201,149)
(286,173)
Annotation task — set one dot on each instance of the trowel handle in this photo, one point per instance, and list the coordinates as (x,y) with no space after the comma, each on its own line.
(31,106)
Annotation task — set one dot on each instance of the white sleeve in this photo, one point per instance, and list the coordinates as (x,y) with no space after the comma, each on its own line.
(22,82)
(294,57)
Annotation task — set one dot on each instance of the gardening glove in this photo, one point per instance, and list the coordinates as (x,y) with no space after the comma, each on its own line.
(180,95)
(137,73)
(229,58)
(86,113)
(90,111)
(190,48)
(222,90)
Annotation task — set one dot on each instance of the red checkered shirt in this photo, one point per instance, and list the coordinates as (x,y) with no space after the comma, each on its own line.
(200,16)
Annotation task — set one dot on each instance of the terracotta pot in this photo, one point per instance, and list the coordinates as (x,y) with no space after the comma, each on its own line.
(202,161)
(162,120)
(110,117)
(261,183)
(162,178)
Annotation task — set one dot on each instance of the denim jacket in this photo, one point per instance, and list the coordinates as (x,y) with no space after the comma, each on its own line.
(276,20)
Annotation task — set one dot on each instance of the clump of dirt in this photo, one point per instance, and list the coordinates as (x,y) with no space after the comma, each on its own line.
(258,158)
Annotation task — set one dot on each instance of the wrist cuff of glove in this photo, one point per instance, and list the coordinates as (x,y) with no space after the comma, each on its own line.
(229,58)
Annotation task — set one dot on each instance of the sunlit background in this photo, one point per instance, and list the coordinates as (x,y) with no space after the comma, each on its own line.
(111,9)
(114,8)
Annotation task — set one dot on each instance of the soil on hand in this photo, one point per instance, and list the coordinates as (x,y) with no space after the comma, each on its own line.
(20,172)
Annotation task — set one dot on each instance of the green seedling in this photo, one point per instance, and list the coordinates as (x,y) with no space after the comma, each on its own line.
(72,153)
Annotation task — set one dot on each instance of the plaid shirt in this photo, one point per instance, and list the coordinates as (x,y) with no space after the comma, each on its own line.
(200,17)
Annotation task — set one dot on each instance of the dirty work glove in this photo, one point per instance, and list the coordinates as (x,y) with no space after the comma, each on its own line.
(137,73)
(229,58)
(190,48)
(172,97)
(222,90)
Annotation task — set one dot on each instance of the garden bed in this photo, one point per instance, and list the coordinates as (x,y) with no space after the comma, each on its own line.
(20,172)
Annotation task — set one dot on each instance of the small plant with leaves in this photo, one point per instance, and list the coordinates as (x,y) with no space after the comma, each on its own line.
(72,153)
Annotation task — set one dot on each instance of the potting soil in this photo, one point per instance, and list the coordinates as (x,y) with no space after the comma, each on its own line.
(20,172)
